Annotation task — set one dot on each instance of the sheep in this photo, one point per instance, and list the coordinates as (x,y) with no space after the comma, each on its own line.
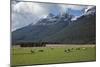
(84,48)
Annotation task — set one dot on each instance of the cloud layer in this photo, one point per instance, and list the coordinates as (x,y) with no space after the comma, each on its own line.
(24,13)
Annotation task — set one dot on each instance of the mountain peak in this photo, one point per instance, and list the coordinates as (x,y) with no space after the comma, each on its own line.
(50,15)
(90,10)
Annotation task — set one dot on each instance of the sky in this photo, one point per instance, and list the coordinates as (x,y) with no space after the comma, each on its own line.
(25,13)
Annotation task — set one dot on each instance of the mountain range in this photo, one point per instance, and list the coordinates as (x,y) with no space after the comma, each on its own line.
(60,29)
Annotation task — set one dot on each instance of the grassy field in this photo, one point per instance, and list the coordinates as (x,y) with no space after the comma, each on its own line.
(52,54)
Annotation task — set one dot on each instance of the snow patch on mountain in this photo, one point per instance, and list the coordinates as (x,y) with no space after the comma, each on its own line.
(90,10)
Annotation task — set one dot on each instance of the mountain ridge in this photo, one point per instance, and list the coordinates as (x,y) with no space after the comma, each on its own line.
(61,31)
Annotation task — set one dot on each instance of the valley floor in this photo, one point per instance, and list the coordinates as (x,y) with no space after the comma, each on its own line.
(52,54)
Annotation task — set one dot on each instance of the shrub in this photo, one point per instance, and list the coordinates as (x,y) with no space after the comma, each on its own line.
(65,51)
(52,48)
(40,50)
(68,50)
(77,48)
(72,48)
(32,51)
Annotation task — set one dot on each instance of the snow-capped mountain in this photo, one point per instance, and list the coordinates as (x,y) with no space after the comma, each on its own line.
(48,20)
(25,13)
(87,11)
(82,30)
(52,19)
(90,10)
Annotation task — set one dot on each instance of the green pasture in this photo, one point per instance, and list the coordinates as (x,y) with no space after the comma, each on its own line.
(24,56)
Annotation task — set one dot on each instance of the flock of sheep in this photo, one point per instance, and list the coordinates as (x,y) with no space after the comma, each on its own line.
(66,50)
